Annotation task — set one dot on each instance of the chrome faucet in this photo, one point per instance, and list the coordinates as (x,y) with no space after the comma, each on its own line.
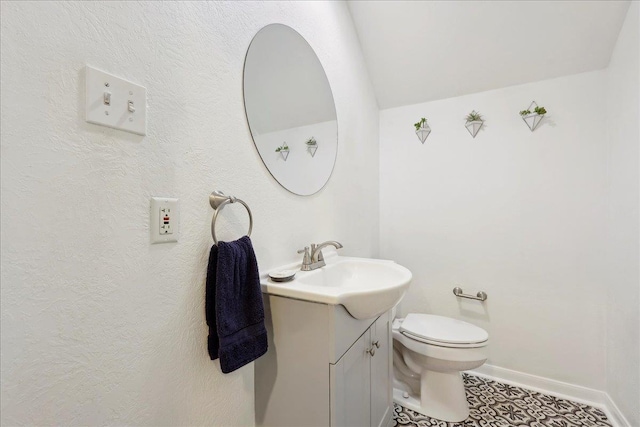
(313,258)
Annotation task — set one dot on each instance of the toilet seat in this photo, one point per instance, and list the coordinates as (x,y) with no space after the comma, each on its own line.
(443,331)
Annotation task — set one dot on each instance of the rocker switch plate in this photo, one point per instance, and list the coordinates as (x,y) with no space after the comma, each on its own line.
(165,219)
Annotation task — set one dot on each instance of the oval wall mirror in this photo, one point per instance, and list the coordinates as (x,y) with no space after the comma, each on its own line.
(290,109)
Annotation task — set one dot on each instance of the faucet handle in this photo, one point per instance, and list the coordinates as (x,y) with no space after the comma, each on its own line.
(306,260)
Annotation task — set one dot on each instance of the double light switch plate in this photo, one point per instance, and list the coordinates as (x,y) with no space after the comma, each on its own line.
(115,102)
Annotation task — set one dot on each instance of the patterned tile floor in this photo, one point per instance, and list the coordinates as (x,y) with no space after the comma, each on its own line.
(493,404)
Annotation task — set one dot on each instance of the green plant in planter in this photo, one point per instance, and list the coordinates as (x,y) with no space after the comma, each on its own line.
(540,110)
(283,147)
(474,116)
(421,123)
(311,141)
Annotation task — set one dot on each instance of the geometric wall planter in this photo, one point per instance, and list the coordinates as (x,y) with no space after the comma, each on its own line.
(474,127)
(533,115)
(312,146)
(473,123)
(283,150)
(422,130)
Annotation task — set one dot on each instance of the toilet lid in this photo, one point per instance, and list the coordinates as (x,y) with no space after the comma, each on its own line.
(442,329)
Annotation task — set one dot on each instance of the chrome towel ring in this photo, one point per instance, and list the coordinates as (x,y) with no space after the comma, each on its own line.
(218,200)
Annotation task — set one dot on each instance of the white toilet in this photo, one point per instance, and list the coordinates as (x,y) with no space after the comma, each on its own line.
(429,352)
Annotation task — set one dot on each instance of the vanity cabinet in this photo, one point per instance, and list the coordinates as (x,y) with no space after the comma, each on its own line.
(360,380)
(323,367)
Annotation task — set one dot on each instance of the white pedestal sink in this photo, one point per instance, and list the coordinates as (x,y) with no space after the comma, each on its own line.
(365,287)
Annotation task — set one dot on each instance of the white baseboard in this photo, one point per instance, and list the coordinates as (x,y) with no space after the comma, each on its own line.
(560,389)
(614,414)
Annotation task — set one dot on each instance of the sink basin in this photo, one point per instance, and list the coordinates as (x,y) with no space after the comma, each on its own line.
(365,287)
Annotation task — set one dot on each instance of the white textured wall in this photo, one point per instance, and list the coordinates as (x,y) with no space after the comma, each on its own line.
(623,254)
(98,326)
(517,214)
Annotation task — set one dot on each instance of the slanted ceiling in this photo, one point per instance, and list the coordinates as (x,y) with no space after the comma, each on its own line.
(418,51)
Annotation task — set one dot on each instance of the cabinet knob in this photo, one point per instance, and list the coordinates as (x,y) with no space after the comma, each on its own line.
(372,351)
(376,343)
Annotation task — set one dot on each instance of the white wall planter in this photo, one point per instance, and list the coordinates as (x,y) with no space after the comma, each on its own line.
(423,132)
(312,149)
(532,120)
(474,127)
(284,154)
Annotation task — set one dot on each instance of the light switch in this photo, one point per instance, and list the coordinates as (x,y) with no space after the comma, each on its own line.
(164,220)
(115,102)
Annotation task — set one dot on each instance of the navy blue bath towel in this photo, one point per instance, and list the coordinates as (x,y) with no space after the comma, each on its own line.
(233,305)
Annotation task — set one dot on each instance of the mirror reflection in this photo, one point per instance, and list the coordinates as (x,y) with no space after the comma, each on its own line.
(290,109)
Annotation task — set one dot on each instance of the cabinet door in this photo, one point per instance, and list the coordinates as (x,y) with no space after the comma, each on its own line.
(350,386)
(381,371)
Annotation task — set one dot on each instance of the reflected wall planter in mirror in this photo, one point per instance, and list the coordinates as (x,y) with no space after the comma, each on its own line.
(284,151)
(287,97)
(312,146)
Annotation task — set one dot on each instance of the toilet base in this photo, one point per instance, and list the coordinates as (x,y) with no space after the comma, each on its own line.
(410,402)
(442,396)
